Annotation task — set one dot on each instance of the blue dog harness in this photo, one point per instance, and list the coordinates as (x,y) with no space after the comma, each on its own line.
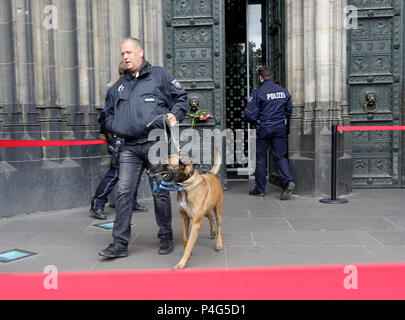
(168,186)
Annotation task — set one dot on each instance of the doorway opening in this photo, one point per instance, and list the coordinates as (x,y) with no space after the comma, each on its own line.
(246,49)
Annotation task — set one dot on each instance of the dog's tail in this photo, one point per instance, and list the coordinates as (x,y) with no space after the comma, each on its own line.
(217,163)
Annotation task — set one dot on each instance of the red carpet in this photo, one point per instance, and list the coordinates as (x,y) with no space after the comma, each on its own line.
(382,281)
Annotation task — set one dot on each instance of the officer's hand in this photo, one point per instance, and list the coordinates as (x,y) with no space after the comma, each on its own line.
(108,136)
(287,126)
(172,119)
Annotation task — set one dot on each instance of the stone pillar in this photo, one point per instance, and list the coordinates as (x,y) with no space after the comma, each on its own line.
(86,68)
(66,67)
(24,116)
(119,30)
(316,78)
(153,19)
(50,120)
(7,72)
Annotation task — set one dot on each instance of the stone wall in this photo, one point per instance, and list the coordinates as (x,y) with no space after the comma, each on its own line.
(58,58)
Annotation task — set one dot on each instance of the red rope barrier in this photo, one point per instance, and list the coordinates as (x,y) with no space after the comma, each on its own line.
(47,143)
(371,128)
(59,143)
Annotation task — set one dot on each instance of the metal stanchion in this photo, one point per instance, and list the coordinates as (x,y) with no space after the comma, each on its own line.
(333,199)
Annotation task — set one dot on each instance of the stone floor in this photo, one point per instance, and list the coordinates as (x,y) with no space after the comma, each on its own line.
(256,232)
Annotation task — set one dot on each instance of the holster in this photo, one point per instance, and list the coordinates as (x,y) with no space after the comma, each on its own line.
(115,149)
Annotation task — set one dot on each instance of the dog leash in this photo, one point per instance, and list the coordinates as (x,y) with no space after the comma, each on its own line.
(171,132)
(167,186)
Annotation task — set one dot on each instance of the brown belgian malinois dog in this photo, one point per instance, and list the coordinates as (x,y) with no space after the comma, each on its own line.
(201,193)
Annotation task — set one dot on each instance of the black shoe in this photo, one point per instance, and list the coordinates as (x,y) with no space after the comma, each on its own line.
(256,192)
(166,246)
(98,213)
(287,192)
(112,205)
(138,207)
(114,251)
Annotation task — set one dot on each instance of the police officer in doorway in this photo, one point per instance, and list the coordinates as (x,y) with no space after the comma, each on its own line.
(270,107)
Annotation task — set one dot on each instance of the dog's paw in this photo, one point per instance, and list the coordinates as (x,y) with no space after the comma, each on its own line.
(219,249)
(179,266)
(213,235)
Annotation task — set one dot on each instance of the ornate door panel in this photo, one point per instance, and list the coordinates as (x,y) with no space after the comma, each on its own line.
(194,44)
(276,38)
(276,59)
(375,67)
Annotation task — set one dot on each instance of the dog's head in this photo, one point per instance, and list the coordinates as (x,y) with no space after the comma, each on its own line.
(174,168)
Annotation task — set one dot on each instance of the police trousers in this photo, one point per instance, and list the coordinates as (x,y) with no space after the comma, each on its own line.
(276,139)
(106,186)
(132,158)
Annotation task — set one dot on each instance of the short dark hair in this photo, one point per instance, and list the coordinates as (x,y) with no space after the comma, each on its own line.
(121,68)
(265,72)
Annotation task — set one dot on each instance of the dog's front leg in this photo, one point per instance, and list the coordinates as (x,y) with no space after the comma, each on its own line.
(185,224)
(195,230)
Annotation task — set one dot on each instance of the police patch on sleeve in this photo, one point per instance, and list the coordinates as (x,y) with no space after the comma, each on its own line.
(177,84)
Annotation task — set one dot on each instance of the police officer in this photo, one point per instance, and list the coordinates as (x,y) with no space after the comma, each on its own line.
(270,107)
(110,179)
(143,93)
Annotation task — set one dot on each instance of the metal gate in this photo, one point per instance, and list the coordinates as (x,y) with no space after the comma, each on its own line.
(256,39)
(276,39)
(194,44)
(375,68)
(276,27)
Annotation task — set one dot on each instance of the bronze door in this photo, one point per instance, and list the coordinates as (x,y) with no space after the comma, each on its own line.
(375,68)
(194,46)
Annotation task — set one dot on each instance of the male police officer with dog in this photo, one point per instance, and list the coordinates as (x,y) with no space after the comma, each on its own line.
(270,106)
(110,179)
(143,93)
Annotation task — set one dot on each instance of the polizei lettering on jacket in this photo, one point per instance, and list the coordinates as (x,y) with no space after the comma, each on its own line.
(276,95)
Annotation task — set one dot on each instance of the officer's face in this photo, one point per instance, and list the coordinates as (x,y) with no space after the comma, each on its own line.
(132,56)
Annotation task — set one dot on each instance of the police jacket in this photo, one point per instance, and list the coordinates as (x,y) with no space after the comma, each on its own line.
(270,104)
(112,139)
(135,101)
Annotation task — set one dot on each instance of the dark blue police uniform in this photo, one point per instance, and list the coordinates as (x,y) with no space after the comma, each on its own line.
(270,106)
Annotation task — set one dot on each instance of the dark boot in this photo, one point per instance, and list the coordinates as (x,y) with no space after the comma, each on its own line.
(257,193)
(287,192)
(114,251)
(166,246)
(98,213)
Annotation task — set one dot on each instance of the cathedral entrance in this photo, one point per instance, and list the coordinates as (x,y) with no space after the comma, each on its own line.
(214,49)
(254,35)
